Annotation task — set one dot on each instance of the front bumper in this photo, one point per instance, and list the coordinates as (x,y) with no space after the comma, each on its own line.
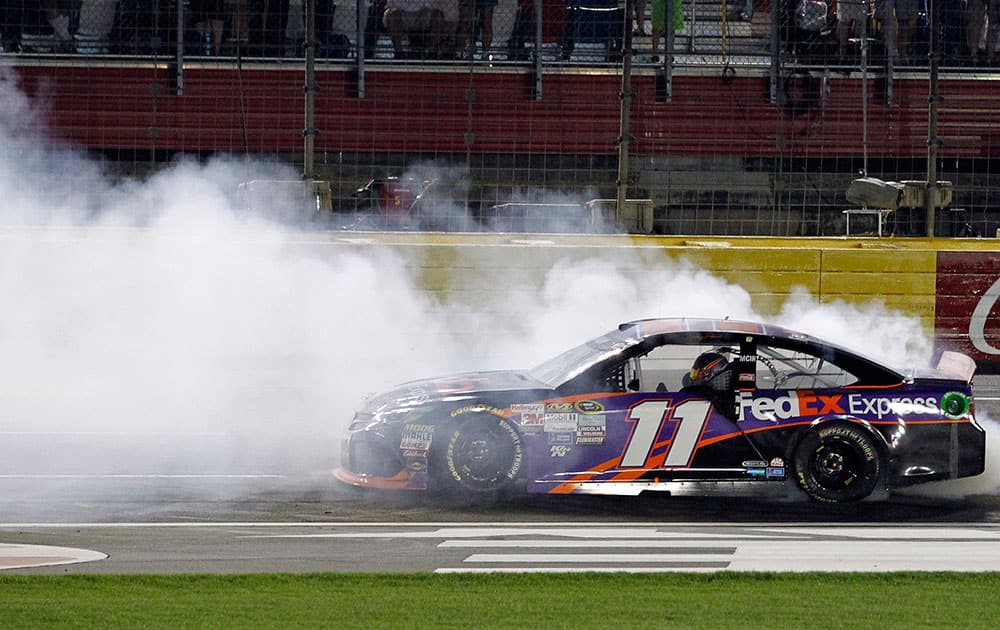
(370,459)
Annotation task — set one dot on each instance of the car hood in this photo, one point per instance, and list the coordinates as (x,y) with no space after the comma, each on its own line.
(455,387)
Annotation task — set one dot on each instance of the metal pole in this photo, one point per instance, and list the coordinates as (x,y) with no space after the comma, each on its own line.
(626,106)
(776,51)
(362,29)
(179,87)
(931,194)
(864,94)
(309,132)
(538,50)
(668,51)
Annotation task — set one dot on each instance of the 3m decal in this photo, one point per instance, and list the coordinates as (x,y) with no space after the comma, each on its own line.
(649,417)
(532,414)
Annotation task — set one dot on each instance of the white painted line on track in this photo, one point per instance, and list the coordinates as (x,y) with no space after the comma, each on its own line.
(575,570)
(886,533)
(581,558)
(629,543)
(522,526)
(16,556)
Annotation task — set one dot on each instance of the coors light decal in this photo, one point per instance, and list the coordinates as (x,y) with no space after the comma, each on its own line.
(967,310)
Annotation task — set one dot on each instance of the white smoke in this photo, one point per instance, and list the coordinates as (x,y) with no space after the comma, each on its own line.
(149,313)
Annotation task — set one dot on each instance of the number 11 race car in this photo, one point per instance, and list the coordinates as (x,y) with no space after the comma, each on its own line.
(668,402)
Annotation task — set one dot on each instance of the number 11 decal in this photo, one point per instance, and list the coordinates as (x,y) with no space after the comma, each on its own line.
(649,416)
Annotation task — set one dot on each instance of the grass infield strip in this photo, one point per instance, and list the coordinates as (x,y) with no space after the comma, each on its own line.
(588,600)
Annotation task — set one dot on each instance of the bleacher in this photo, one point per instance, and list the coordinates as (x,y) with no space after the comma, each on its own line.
(714,33)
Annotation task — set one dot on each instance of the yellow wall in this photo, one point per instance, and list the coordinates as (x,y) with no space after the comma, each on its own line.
(472,268)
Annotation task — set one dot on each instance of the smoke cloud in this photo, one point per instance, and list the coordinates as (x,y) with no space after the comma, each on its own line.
(148,328)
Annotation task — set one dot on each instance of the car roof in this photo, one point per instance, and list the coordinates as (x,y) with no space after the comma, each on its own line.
(692,330)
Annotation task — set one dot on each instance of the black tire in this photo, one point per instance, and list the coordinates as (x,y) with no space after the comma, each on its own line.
(838,463)
(482,454)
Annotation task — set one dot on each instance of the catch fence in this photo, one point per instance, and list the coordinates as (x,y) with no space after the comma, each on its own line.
(743,118)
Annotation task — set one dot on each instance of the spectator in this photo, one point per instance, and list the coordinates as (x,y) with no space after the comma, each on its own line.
(639,7)
(11,21)
(851,17)
(472,13)
(268,20)
(419,22)
(975,25)
(659,19)
(209,22)
(952,35)
(899,21)
(992,30)
(57,14)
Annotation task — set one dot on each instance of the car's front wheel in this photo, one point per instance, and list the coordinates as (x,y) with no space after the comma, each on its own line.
(480,455)
(838,463)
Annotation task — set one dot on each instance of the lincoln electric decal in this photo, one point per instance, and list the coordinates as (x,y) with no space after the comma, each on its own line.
(967,309)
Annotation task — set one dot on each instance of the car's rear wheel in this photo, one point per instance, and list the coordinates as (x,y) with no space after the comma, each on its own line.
(481,454)
(838,463)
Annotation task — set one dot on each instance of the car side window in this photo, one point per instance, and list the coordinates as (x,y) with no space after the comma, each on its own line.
(779,368)
(663,368)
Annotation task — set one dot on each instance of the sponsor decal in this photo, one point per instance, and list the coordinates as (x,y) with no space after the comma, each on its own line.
(559,407)
(967,306)
(955,404)
(753,463)
(589,406)
(794,404)
(532,415)
(775,472)
(591,429)
(560,438)
(755,472)
(806,404)
(879,406)
(591,422)
(478,407)
(416,439)
(560,422)
(417,465)
(559,450)
(777,462)
(747,377)
(977,323)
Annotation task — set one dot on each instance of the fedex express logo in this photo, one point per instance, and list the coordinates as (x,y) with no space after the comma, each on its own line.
(805,404)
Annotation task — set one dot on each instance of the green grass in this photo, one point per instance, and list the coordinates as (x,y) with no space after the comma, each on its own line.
(722,600)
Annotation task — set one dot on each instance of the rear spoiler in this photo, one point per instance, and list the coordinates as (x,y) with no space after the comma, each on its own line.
(957,365)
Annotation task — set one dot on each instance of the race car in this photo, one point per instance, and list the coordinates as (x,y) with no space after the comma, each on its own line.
(663,403)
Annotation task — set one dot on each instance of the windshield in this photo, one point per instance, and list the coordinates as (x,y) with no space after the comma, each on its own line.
(560,369)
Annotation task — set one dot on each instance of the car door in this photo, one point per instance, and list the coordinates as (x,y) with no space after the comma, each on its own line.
(638,422)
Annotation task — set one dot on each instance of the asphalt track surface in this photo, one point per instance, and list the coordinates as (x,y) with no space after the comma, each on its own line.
(236,519)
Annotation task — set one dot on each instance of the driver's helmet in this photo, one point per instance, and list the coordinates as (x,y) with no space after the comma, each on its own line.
(706,368)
